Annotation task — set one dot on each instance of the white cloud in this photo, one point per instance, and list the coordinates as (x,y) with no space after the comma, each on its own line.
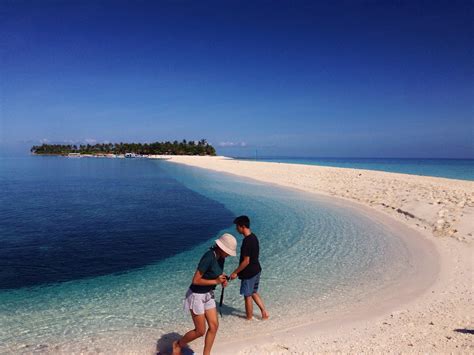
(232,144)
(65,141)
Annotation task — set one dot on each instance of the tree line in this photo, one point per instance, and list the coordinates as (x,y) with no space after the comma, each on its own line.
(184,147)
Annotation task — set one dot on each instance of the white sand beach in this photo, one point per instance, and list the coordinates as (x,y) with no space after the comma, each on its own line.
(430,312)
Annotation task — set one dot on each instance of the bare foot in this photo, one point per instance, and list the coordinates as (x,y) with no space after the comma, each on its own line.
(176,348)
(265,315)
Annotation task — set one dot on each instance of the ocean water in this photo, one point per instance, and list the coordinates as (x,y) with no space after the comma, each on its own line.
(97,254)
(462,169)
(66,219)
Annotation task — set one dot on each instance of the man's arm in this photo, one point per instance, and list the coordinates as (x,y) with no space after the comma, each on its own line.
(245,262)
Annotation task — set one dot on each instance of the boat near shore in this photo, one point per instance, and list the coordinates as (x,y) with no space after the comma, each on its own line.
(118,156)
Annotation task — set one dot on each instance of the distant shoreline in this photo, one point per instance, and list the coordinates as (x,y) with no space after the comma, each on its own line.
(459,169)
(148,156)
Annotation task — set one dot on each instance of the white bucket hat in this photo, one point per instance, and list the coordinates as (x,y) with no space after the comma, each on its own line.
(227,243)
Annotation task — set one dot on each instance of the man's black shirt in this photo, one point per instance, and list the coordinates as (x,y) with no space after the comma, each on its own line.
(250,248)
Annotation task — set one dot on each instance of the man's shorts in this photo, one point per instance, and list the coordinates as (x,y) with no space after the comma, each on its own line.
(249,286)
(199,302)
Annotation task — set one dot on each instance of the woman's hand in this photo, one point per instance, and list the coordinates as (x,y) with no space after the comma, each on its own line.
(226,282)
(221,279)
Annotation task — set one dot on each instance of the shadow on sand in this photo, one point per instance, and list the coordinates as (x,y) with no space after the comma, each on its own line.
(465,331)
(164,345)
(231,311)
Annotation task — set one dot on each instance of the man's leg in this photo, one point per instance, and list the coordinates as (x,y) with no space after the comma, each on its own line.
(199,330)
(213,322)
(244,291)
(258,300)
(249,307)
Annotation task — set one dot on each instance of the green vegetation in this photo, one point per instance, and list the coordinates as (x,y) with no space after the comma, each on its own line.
(159,148)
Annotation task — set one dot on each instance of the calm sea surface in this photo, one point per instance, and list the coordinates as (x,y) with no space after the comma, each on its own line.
(462,169)
(96,254)
(64,219)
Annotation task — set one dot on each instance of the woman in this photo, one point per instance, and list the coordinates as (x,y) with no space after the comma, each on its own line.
(200,296)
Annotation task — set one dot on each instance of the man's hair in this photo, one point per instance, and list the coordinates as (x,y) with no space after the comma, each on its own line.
(242,221)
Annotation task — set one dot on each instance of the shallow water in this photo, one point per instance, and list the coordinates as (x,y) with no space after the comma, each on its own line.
(315,255)
(462,169)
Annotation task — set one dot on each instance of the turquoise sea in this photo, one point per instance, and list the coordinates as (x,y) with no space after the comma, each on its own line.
(96,254)
(462,169)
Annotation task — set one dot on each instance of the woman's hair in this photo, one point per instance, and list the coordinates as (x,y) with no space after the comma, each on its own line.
(216,248)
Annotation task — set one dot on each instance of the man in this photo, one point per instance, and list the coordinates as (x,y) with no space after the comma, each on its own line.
(249,268)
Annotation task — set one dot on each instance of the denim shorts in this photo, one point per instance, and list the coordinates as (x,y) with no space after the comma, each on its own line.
(249,286)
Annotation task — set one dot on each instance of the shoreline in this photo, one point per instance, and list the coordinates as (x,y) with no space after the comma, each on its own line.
(412,320)
(441,206)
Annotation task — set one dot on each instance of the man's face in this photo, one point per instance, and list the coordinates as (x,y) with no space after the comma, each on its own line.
(239,229)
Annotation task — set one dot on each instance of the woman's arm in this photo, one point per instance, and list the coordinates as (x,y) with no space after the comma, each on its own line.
(199,281)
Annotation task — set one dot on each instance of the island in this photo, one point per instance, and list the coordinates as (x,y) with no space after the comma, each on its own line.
(128,150)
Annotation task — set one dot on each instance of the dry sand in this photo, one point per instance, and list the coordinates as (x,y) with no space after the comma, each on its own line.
(438,211)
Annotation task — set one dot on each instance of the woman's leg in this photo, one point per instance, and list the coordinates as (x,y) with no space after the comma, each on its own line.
(199,330)
(213,322)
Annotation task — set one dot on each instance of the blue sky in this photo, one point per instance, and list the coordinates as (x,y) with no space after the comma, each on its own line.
(349,79)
